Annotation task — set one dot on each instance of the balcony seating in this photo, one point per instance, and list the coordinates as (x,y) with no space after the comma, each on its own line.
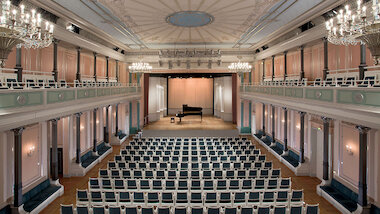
(38,195)
(88,158)
(292,158)
(120,134)
(342,195)
(102,148)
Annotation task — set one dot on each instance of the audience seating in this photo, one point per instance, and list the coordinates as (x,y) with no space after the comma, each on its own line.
(342,195)
(182,175)
(102,148)
(36,196)
(88,158)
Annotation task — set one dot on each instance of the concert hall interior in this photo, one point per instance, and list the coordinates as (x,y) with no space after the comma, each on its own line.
(189,106)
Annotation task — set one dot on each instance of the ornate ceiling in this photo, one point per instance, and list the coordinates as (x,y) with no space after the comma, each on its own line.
(189,21)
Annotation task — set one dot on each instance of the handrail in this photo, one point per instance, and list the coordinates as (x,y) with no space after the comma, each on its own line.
(8,69)
(343,69)
(38,72)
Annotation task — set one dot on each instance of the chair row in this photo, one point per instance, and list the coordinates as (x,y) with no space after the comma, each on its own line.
(106,184)
(194,174)
(12,84)
(92,83)
(193,198)
(287,82)
(177,158)
(280,209)
(192,165)
(192,139)
(193,148)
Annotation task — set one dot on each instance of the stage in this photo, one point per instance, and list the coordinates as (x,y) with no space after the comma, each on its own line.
(191,123)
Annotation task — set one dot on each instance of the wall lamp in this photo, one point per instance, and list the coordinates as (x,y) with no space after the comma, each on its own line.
(349,150)
(31,151)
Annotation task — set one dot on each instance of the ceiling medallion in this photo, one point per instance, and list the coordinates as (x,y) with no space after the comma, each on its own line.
(189,19)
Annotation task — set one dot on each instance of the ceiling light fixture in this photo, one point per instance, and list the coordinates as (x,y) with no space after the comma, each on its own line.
(21,28)
(360,25)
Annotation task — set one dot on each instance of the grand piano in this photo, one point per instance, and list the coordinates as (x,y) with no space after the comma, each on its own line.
(187,110)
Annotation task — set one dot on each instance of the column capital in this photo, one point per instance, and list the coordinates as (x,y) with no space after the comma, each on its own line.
(324,39)
(284,108)
(302,113)
(363,129)
(107,57)
(285,52)
(79,49)
(55,120)
(96,109)
(95,54)
(302,47)
(56,41)
(18,131)
(78,114)
(326,119)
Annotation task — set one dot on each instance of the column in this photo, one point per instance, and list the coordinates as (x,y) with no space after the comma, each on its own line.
(94,126)
(363,62)
(117,70)
(116,119)
(95,76)
(325,57)
(273,123)
(263,119)
(18,166)
(263,69)
(273,67)
(78,64)
(18,65)
(107,69)
(302,73)
(285,64)
(77,115)
(55,59)
(285,129)
(54,149)
(302,136)
(362,198)
(106,127)
(326,131)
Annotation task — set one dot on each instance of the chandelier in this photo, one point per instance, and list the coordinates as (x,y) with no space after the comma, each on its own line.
(20,28)
(359,25)
(240,67)
(140,67)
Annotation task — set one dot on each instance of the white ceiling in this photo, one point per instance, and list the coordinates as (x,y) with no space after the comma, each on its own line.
(142,23)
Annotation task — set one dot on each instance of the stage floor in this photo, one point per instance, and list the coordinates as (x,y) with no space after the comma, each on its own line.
(191,123)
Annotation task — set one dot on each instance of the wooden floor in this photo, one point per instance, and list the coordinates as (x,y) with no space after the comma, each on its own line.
(308,184)
(190,123)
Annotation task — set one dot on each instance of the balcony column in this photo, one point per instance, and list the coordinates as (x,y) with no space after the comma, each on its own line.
(363,62)
(107,69)
(302,136)
(77,115)
(285,129)
(273,123)
(106,135)
(263,70)
(18,166)
(116,118)
(273,67)
(95,75)
(54,149)
(95,128)
(264,119)
(18,65)
(285,64)
(325,57)
(78,77)
(326,131)
(302,73)
(117,70)
(362,198)
(55,59)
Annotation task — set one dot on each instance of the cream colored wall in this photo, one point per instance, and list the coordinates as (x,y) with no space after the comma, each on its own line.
(195,92)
